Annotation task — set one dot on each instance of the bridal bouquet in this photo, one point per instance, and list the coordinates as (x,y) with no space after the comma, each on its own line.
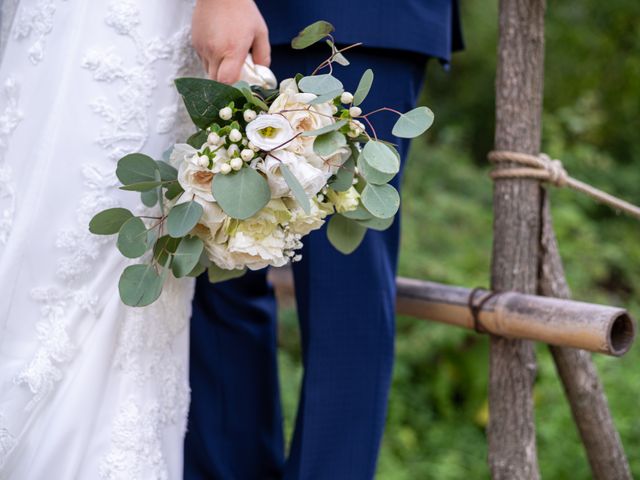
(266,167)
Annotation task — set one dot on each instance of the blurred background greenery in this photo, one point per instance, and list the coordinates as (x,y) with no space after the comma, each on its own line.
(438,406)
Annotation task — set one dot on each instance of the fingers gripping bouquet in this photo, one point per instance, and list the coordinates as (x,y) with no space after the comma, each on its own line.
(266,167)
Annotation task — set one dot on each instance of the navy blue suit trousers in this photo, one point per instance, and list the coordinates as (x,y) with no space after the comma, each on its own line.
(346,307)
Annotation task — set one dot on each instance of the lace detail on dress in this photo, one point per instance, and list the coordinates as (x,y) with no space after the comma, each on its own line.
(10,117)
(36,23)
(7,442)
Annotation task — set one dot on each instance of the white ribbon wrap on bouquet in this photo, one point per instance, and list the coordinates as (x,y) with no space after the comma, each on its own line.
(258,75)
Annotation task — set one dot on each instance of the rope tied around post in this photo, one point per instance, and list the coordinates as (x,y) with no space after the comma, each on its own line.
(544,168)
(475,309)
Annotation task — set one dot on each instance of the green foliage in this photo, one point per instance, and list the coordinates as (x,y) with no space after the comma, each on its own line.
(327,128)
(413,123)
(298,191)
(183,218)
(186,256)
(109,222)
(320,84)
(382,201)
(312,34)
(137,168)
(217,274)
(204,98)
(380,158)
(132,238)
(327,143)
(140,285)
(344,177)
(241,194)
(345,234)
(363,87)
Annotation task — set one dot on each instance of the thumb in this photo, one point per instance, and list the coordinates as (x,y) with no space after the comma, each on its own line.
(229,69)
(261,49)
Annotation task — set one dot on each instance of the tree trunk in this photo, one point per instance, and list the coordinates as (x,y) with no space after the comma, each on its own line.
(516,228)
(578,373)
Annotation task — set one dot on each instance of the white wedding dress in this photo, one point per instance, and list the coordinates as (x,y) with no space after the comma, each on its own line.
(89,388)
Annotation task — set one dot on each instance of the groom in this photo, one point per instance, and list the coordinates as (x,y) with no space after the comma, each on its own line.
(345,304)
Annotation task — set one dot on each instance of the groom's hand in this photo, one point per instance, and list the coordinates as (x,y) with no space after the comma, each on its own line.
(223,32)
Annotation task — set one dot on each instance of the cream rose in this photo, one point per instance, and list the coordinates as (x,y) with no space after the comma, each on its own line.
(195,180)
(346,201)
(302,223)
(268,132)
(311,178)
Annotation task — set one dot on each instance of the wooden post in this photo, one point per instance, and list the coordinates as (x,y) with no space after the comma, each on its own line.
(516,229)
(579,376)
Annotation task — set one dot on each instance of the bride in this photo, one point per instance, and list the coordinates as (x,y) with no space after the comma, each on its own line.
(88,388)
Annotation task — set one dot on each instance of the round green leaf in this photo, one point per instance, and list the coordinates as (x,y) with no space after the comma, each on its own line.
(380,157)
(182,218)
(241,194)
(109,222)
(371,175)
(137,168)
(363,87)
(327,128)
(379,224)
(325,97)
(344,176)
(327,143)
(382,201)
(413,123)
(217,274)
(164,248)
(298,190)
(187,256)
(320,84)
(150,197)
(132,238)
(167,172)
(345,234)
(139,285)
(359,213)
(311,34)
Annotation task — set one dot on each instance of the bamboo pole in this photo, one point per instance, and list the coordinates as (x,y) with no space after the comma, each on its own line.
(582,386)
(598,328)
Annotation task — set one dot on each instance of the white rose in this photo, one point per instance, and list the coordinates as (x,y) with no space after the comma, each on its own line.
(294,105)
(303,223)
(268,132)
(311,178)
(195,180)
(180,152)
(258,75)
(346,201)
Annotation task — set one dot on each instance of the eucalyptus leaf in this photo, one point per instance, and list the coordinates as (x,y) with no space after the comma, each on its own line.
(217,274)
(241,194)
(327,128)
(380,157)
(173,190)
(371,175)
(312,34)
(337,57)
(167,172)
(109,222)
(204,98)
(149,198)
(359,213)
(344,176)
(320,84)
(298,191)
(327,143)
(363,87)
(183,217)
(186,256)
(142,186)
(413,123)
(326,97)
(380,224)
(345,234)
(139,285)
(198,270)
(382,201)
(136,168)
(164,248)
(132,238)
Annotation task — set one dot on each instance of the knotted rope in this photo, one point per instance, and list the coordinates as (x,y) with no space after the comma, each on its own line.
(546,169)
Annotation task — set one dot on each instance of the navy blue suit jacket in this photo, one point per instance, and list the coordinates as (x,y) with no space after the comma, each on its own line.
(431,27)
